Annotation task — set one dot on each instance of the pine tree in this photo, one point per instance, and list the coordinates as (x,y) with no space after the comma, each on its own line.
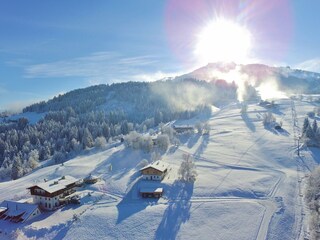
(16,170)
(87,140)
(314,126)
(309,133)
(306,123)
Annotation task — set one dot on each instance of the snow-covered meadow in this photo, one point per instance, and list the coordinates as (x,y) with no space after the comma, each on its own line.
(248,186)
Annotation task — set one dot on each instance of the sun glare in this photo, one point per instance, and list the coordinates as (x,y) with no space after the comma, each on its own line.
(223,40)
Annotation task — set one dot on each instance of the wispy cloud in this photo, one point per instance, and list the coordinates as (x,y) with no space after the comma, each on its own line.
(312,65)
(99,67)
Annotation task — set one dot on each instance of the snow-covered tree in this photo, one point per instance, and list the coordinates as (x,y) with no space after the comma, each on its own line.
(268,118)
(163,142)
(33,159)
(187,169)
(306,124)
(314,126)
(58,157)
(100,142)
(17,169)
(87,140)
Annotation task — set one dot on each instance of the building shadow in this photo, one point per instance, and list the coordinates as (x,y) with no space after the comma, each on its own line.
(177,212)
(132,203)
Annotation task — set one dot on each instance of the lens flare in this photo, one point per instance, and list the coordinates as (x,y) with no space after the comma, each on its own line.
(223,40)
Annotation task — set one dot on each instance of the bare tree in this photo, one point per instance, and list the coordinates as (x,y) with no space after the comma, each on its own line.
(187,169)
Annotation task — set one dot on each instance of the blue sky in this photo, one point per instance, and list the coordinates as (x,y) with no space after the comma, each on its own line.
(51,47)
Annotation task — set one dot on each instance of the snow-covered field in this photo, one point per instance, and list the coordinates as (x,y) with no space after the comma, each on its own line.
(248,186)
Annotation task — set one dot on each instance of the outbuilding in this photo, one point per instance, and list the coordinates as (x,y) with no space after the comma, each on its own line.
(18,211)
(151,192)
(91,179)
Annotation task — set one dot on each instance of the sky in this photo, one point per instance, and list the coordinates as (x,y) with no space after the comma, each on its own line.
(50,47)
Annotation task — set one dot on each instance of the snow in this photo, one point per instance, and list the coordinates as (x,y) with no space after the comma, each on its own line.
(57,184)
(247,185)
(159,165)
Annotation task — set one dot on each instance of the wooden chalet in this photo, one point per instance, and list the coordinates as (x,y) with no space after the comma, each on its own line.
(49,193)
(155,171)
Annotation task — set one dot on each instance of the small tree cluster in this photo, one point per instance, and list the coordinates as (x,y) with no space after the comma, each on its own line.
(187,169)
(136,141)
(311,132)
(268,118)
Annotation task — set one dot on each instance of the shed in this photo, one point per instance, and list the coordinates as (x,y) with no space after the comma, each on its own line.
(91,179)
(155,192)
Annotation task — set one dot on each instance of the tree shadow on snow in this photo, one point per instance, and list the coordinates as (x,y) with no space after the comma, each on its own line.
(193,140)
(203,145)
(177,212)
(315,153)
(248,122)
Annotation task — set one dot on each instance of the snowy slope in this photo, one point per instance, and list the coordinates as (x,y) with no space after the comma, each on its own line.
(247,186)
(33,117)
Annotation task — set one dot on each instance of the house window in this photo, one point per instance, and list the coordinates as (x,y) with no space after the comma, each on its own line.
(45,205)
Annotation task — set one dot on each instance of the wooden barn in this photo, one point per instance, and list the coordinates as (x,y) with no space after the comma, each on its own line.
(151,192)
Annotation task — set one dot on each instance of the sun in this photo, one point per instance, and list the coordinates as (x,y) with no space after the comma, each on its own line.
(223,40)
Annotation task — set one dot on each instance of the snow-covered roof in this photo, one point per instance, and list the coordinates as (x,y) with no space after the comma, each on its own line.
(183,126)
(159,165)
(91,177)
(17,208)
(2,209)
(151,190)
(57,184)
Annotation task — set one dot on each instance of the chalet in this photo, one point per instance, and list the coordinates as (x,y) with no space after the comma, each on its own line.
(151,192)
(155,171)
(48,194)
(18,211)
(183,128)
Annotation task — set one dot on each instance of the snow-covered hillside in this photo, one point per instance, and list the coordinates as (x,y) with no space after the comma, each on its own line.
(249,186)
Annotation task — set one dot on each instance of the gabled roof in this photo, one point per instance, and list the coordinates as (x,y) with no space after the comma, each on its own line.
(14,209)
(91,177)
(57,184)
(158,165)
